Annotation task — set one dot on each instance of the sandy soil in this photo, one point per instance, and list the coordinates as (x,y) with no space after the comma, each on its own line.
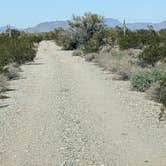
(65,111)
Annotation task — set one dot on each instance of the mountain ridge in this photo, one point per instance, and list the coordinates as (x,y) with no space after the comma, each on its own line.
(110,22)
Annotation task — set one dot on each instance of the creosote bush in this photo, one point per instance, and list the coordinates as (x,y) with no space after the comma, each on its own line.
(153,54)
(19,48)
(14,51)
(88,33)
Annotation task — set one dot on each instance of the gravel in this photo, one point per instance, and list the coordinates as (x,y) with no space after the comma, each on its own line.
(65,111)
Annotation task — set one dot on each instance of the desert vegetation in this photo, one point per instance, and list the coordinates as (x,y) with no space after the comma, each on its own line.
(16,48)
(138,56)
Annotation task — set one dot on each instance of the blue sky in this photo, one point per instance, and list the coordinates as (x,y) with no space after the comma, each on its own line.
(24,13)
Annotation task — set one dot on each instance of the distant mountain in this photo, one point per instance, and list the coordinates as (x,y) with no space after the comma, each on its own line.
(161,25)
(156,26)
(135,26)
(48,26)
(4,28)
(110,22)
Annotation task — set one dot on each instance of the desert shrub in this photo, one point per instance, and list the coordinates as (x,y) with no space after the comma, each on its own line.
(143,80)
(139,39)
(113,36)
(77,53)
(18,48)
(153,54)
(89,32)
(131,40)
(23,51)
(92,45)
(5,57)
(65,39)
(148,37)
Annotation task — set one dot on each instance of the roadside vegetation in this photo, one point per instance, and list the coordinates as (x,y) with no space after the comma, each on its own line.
(16,48)
(138,56)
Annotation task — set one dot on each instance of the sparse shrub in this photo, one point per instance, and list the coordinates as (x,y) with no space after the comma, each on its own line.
(77,53)
(143,80)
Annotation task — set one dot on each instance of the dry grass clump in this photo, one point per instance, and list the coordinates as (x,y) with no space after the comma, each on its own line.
(118,62)
(3,83)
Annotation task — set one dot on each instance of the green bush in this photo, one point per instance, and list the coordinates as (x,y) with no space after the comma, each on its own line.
(139,38)
(89,32)
(153,54)
(143,80)
(131,40)
(18,48)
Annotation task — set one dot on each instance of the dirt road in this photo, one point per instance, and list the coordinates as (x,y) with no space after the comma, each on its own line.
(65,111)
